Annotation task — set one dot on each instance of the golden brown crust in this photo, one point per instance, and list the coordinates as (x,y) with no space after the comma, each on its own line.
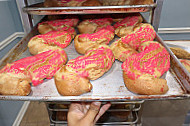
(10,85)
(180,53)
(70,84)
(36,46)
(87,27)
(146,85)
(122,51)
(123,31)
(82,44)
(45,28)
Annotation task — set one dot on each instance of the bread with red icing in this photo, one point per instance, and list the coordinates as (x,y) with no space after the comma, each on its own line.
(59,25)
(90,26)
(50,40)
(142,71)
(144,32)
(74,78)
(84,42)
(122,51)
(127,25)
(15,78)
(128,45)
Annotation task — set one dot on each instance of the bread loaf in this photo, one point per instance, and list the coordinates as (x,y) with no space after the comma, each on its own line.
(59,25)
(127,25)
(142,71)
(74,78)
(15,78)
(40,43)
(89,26)
(84,42)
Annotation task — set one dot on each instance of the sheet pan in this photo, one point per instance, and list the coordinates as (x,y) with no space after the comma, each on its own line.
(110,87)
(39,9)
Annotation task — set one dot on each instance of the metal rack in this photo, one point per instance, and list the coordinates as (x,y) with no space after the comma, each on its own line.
(130,113)
(154,10)
(134,108)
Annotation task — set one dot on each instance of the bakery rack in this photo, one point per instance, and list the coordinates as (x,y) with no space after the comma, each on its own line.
(178,77)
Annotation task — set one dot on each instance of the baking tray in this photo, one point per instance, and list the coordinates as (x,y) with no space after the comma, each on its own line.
(110,87)
(39,9)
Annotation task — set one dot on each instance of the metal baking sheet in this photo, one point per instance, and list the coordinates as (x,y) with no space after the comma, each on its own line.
(39,9)
(110,87)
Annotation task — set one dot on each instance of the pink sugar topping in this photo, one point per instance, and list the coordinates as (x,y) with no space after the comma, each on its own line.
(101,58)
(51,38)
(147,61)
(102,34)
(128,21)
(38,67)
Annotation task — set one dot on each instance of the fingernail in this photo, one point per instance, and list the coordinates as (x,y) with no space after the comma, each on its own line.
(97,103)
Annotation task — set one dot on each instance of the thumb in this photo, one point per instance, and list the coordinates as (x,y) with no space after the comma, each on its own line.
(93,111)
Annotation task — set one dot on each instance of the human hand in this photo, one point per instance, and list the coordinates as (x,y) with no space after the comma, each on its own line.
(85,114)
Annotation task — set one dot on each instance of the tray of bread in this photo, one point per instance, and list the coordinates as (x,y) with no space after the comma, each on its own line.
(97,58)
(53,7)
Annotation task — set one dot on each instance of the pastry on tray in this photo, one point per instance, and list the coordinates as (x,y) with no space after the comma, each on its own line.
(142,71)
(15,78)
(127,25)
(128,45)
(74,78)
(59,25)
(84,42)
(53,39)
(90,26)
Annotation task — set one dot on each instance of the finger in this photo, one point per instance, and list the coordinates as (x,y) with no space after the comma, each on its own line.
(75,106)
(93,111)
(103,109)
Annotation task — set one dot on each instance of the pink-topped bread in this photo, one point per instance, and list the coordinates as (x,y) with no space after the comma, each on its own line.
(69,30)
(75,75)
(107,27)
(142,71)
(90,26)
(84,42)
(54,25)
(39,43)
(127,25)
(15,78)
(144,32)
(122,51)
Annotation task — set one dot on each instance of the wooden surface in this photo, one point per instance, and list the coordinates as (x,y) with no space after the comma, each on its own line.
(36,115)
